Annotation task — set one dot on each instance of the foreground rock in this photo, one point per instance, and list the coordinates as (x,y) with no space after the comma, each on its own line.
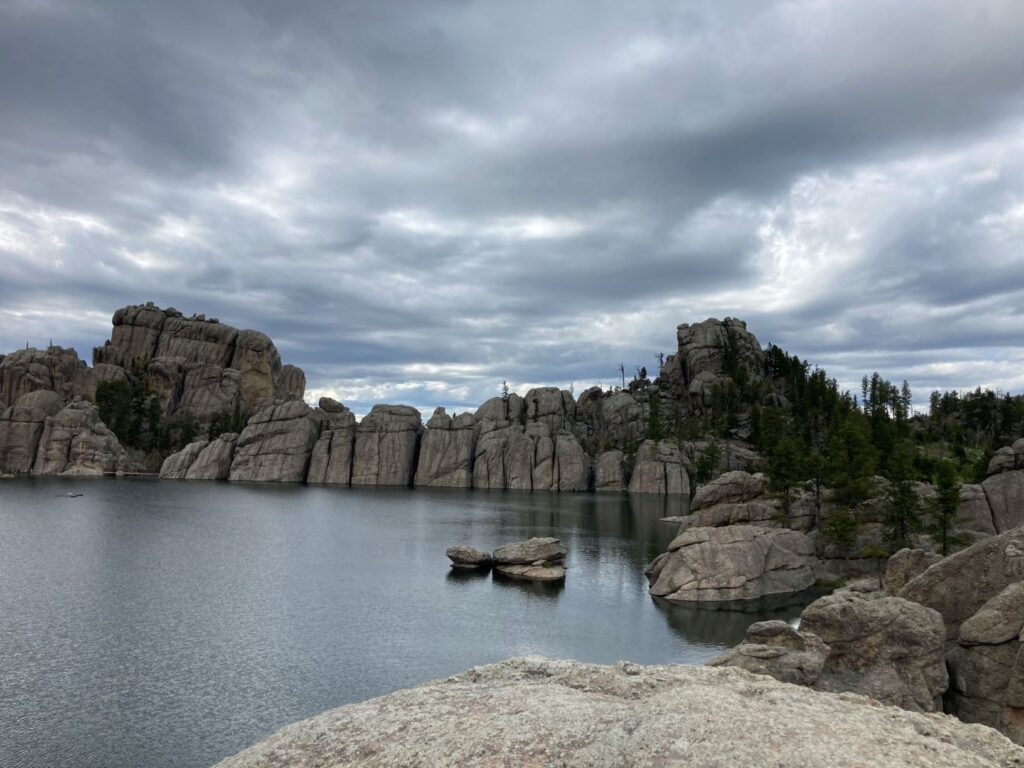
(890,649)
(537,559)
(736,562)
(531,711)
(906,565)
(468,557)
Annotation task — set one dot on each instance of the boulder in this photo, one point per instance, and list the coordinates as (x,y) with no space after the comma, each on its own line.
(214,461)
(446,451)
(1005,494)
(533,712)
(176,466)
(21,427)
(881,646)
(776,649)
(974,514)
(987,664)
(535,550)
(76,442)
(1004,460)
(905,565)
(730,488)
(659,469)
(276,444)
(463,556)
(962,583)
(610,473)
(737,562)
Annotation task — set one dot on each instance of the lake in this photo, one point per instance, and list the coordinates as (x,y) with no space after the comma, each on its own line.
(160,623)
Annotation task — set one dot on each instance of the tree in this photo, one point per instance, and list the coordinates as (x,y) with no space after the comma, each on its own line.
(654,430)
(841,529)
(707,464)
(504,391)
(902,514)
(816,469)
(944,506)
(785,469)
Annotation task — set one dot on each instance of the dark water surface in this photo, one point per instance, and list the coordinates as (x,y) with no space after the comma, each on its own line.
(157,624)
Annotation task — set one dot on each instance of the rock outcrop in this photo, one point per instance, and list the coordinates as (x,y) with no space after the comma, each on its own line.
(533,711)
(659,469)
(446,451)
(214,461)
(55,369)
(276,444)
(610,471)
(736,562)
(386,445)
(885,647)
(890,649)
(331,460)
(987,664)
(1005,494)
(905,565)
(176,466)
(76,442)
(21,427)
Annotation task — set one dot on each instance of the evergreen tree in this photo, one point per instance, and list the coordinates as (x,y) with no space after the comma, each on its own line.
(785,469)
(944,506)
(902,514)
(654,430)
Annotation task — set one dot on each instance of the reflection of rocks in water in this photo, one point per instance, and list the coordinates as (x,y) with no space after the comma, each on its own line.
(467,575)
(542,589)
(718,624)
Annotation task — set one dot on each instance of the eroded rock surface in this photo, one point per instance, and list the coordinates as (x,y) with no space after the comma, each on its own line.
(446,451)
(276,444)
(387,440)
(736,562)
(659,469)
(21,427)
(532,711)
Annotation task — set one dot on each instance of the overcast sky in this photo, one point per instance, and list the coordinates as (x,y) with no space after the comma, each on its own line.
(419,200)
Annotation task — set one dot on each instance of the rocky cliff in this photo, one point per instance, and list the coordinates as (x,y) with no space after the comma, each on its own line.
(534,712)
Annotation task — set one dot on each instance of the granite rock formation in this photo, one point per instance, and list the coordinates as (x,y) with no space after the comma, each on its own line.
(446,451)
(276,444)
(386,445)
(75,441)
(533,711)
(21,427)
(736,562)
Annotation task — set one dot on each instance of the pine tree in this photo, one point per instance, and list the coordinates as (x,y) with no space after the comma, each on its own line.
(902,515)
(944,506)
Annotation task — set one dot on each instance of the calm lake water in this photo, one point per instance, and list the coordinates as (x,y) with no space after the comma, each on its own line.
(156,624)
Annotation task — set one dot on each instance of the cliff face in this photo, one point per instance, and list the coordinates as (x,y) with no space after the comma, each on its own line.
(202,371)
(533,711)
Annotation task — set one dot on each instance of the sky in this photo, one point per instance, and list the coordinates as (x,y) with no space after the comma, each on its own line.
(420,200)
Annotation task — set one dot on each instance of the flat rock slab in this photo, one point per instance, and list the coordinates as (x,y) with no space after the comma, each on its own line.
(532,572)
(530,551)
(537,712)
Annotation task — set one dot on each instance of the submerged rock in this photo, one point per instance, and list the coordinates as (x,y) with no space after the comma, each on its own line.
(533,711)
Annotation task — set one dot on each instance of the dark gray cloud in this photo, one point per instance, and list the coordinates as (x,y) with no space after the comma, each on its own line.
(418,200)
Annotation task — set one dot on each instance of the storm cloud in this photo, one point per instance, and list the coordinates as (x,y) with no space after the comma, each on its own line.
(419,200)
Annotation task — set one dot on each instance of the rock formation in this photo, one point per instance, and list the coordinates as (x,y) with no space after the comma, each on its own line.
(463,556)
(890,649)
(215,459)
(446,451)
(736,562)
(75,442)
(532,711)
(276,444)
(21,427)
(905,565)
(55,369)
(331,460)
(659,469)
(387,441)
(537,559)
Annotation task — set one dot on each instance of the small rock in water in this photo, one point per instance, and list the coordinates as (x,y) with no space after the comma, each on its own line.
(468,557)
(534,572)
